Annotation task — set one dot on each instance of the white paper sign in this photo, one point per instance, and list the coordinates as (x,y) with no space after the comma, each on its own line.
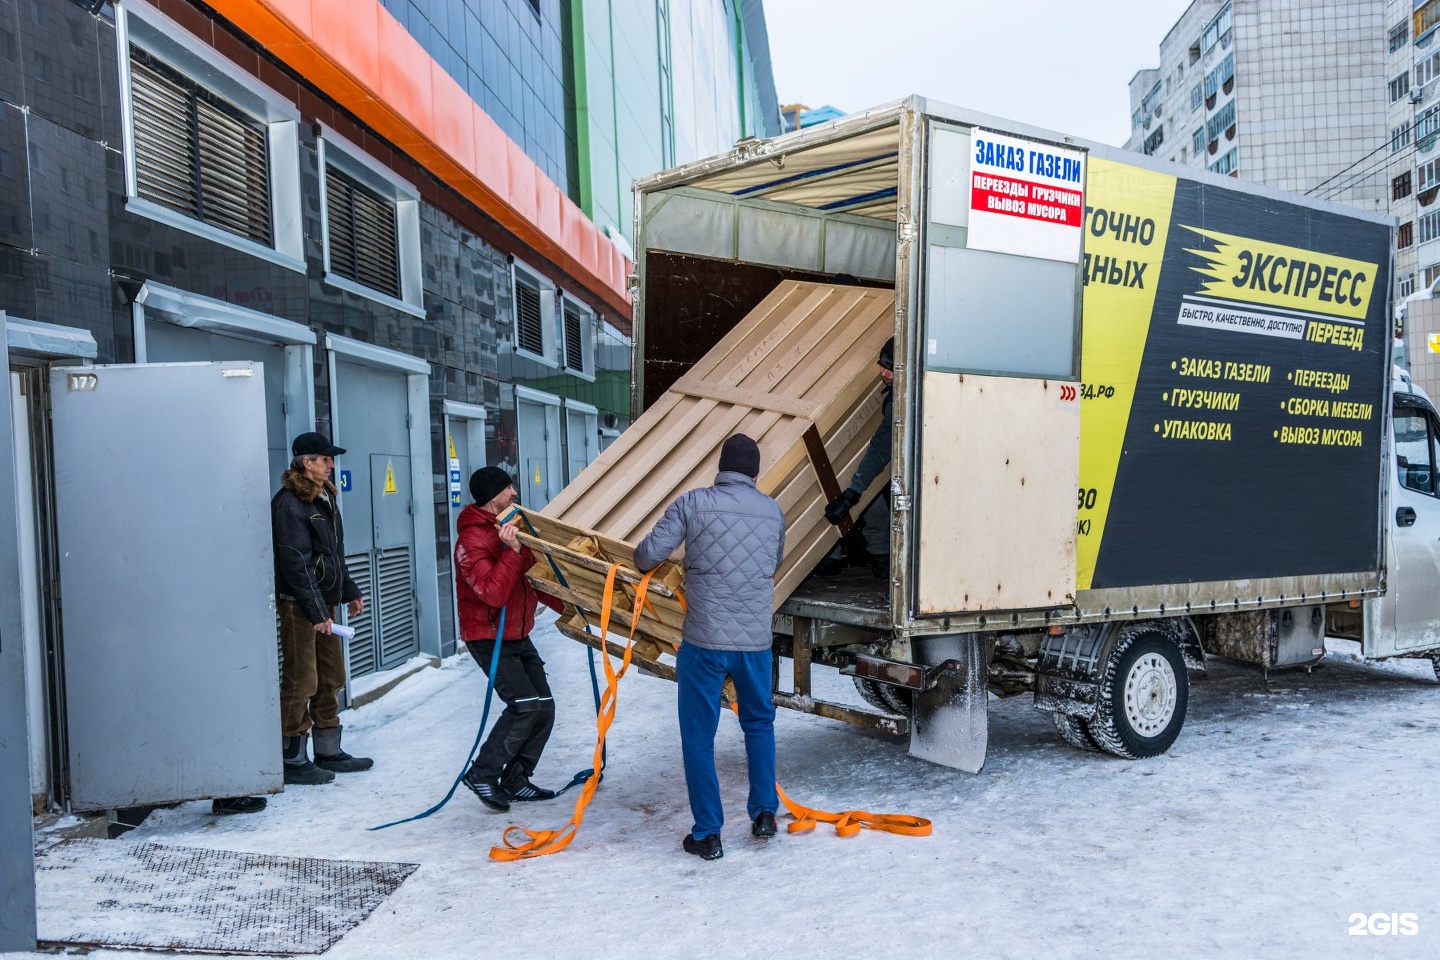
(1026,197)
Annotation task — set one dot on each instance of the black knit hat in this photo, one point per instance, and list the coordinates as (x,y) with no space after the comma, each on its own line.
(740,454)
(487,483)
(887,355)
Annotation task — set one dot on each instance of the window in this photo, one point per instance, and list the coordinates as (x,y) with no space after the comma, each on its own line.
(1400,136)
(1414,450)
(1399,36)
(579,322)
(208,149)
(1153,141)
(535,316)
(1223,120)
(1427,70)
(1199,139)
(1228,164)
(1406,285)
(1428,227)
(1431,275)
(1426,17)
(1400,85)
(371,227)
(1217,30)
(1196,97)
(1404,235)
(1427,124)
(1400,186)
(1428,175)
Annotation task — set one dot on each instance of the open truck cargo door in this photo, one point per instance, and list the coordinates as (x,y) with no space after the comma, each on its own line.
(999,441)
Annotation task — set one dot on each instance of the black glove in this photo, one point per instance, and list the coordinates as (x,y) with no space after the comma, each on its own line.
(836,509)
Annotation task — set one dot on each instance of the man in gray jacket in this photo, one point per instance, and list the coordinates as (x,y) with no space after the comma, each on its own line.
(734,539)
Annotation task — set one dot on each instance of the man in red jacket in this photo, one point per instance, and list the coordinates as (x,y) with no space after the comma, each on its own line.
(490,567)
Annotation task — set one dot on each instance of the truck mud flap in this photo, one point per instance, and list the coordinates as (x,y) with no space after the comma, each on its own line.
(949,721)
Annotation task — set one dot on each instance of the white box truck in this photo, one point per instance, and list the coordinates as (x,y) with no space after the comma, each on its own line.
(1143,414)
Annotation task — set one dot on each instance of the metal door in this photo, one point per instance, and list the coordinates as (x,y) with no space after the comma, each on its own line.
(167,343)
(537,420)
(582,426)
(32,632)
(371,423)
(163,526)
(465,453)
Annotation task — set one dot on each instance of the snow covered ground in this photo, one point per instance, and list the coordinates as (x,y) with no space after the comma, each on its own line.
(1282,811)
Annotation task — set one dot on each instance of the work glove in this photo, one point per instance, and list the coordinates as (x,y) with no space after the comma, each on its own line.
(836,510)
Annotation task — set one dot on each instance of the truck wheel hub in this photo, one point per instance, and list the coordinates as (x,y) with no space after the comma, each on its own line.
(1150,695)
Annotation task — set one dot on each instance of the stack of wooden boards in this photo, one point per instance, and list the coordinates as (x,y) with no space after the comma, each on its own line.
(798,374)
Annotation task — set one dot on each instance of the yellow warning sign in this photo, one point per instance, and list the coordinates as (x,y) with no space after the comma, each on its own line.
(1435,343)
(452,445)
(390,477)
(537,473)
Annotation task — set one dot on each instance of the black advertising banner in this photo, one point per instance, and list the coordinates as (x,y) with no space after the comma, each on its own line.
(1234,368)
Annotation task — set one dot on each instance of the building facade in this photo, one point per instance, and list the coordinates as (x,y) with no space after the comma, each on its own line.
(1287,94)
(1412,172)
(413,214)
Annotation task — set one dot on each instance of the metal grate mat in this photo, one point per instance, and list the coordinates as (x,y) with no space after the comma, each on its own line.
(109,893)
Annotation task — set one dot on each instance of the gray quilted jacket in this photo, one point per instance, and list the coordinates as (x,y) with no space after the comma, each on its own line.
(734,540)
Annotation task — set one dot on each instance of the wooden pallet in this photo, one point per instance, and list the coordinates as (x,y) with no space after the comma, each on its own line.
(798,375)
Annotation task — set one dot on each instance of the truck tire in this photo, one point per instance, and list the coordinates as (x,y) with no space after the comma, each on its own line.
(1075,731)
(1143,695)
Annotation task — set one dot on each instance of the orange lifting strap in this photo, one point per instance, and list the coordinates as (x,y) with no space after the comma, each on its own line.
(541,842)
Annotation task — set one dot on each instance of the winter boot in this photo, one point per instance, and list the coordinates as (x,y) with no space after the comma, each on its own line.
(706,848)
(329,755)
(298,768)
(764,825)
(226,806)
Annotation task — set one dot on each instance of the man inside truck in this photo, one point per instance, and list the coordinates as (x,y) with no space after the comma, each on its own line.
(877,458)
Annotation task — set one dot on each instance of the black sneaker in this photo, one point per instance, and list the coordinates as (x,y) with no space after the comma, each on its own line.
(526,791)
(764,825)
(488,790)
(706,848)
(225,806)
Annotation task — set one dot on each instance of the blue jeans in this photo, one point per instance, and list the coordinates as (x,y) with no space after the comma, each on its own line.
(700,674)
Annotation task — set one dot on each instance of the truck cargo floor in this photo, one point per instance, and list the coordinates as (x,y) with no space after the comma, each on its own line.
(850,597)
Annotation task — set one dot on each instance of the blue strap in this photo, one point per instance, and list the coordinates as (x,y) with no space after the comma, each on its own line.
(484,716)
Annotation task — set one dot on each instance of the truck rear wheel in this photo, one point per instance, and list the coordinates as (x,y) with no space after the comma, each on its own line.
(1143,696)
(1075,732)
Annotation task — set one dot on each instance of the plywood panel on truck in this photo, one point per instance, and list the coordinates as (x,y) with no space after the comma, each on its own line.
(991,485)
(803,360)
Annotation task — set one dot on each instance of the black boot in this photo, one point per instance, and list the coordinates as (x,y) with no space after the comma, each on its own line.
(330,756)
(226,806)
(764,825)
(298,768)
(706,848)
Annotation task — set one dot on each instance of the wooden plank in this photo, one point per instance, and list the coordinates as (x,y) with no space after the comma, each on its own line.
(824,472)
(740,396)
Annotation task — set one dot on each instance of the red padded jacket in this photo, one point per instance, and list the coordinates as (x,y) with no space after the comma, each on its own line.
(489,577)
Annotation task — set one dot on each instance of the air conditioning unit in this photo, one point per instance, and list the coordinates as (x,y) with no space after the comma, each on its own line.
(1417,95)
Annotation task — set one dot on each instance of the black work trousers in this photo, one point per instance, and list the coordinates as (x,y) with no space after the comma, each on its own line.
(513,748)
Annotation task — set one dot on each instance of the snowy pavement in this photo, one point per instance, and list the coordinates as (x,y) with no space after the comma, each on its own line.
(1281,812)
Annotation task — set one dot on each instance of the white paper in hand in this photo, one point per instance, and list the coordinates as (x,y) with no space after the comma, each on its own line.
(346,634)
